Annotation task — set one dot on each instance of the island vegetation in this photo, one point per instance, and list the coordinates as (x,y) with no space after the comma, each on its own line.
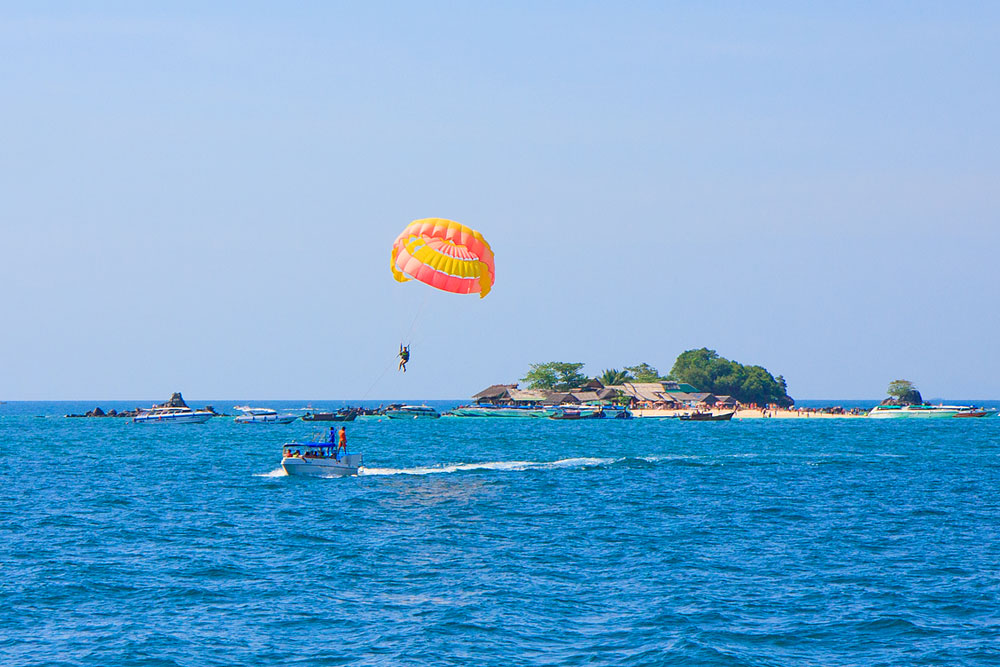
(555,376)
(903,392)
(753,384)
(702,368)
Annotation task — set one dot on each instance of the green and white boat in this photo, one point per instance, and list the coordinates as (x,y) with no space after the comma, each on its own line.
(925,411)
(412,412)
(516,411)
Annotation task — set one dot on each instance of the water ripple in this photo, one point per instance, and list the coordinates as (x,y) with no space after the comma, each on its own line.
(522,543)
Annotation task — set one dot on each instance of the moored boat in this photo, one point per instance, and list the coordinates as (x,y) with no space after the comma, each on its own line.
(577,412)
(615,412)
(347,415)
(514,411)
(253,415)
(412,412)
(925,411)
(708,417)
(975,412)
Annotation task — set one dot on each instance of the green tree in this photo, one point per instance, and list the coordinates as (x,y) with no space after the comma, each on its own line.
(643,373)
(904,391)
(613,376)
(706,370)
(694,367)
(555,375)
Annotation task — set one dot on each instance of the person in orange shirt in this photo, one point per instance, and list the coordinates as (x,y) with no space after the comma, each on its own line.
(342,439)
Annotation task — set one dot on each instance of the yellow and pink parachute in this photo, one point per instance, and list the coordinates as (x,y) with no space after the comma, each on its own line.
(444,254)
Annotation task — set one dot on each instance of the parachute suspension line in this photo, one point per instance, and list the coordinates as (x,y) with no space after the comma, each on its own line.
(406,342)
(409,332)
(379,378)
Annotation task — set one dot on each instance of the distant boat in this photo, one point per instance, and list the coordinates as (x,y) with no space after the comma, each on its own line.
(412,412)
(577,412)
(615,412)
(262,416)
(707,417)
(925,411)
(514,411)
(172,415)
(338,416)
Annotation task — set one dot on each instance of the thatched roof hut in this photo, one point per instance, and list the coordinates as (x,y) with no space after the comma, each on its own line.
(560,398)
(493,392)
(648,393)
(693,398)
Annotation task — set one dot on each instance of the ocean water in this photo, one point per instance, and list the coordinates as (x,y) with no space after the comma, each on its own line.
(507,542)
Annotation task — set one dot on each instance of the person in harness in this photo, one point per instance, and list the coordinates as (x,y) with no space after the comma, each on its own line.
(404,356)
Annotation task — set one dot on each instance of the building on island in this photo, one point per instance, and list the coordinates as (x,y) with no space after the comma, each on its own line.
(638,395)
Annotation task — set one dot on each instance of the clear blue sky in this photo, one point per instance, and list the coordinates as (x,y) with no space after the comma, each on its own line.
(202,196)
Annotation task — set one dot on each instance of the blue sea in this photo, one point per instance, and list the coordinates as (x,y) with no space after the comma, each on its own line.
(500,542)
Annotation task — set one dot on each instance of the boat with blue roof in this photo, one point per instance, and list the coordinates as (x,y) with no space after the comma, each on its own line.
(319,457)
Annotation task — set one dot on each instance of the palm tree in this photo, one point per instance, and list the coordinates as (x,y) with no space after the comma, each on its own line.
(613,376)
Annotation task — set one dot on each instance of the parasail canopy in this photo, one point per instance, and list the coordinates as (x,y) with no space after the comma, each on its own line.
(444,254)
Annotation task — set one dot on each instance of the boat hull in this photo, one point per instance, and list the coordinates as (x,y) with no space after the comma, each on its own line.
(346,466)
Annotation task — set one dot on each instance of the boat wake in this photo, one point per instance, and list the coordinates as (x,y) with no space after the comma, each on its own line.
(505,466)
(637,462)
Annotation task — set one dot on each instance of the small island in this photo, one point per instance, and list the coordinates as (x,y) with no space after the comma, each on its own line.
(700,381)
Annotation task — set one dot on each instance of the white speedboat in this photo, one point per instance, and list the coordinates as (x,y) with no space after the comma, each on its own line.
(172,415)
(412,412)
(262,416)
(925,411)
(318,459)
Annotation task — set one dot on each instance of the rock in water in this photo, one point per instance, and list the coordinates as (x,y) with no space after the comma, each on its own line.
(911,397)
(176,401)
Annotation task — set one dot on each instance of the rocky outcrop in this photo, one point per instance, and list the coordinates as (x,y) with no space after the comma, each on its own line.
(98,412)
(176,401)
(912,397)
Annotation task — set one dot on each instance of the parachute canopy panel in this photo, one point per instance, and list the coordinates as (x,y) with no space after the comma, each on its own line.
(444,254)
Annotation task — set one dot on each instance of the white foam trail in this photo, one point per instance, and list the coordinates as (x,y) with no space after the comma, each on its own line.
(280,472)
(507,466)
